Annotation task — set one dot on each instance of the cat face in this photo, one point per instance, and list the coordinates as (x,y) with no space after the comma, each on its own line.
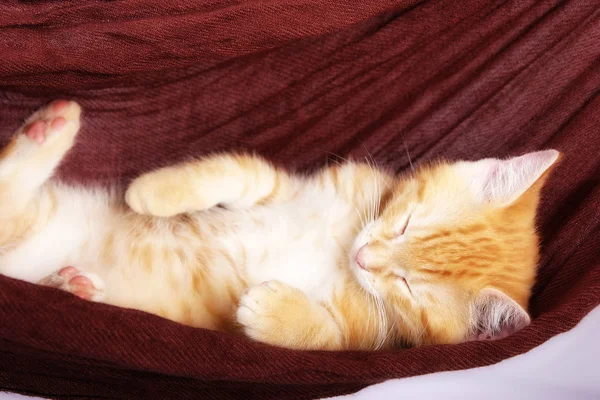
(453,252)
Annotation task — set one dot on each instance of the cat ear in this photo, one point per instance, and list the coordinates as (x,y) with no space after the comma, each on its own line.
(504,181)
(495,316)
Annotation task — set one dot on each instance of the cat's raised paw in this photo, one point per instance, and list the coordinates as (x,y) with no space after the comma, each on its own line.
(38,146)
(60,116)
(85,285)
(159,193)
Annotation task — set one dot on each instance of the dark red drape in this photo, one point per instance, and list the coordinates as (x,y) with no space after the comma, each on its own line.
(299,81)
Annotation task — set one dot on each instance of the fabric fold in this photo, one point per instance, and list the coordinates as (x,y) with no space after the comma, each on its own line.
(302,82)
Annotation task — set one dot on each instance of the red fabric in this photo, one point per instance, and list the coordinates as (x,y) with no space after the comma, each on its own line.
(297,80)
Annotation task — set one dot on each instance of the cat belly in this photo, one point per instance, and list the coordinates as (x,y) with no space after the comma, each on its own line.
(41,254)
(75,225)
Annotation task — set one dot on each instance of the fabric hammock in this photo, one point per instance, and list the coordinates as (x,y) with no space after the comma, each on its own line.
(301,82)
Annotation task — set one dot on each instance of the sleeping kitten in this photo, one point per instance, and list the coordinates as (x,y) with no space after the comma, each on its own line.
(351,257)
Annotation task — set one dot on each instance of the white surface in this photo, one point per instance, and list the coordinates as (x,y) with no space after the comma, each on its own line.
(14,396)
(565,367)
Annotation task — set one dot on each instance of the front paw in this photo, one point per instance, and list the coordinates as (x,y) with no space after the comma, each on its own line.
(272,313)
(157,193)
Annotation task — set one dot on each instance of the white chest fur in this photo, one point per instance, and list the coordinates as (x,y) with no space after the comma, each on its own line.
(302,242)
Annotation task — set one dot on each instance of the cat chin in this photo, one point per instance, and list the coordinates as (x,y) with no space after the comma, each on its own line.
(362,277)
(364,284)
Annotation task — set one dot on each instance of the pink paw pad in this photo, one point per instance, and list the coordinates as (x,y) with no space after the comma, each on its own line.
(36,131)
(80,280)
(58,123)
(59,105)
(48,121)
(67,271)
(80,285)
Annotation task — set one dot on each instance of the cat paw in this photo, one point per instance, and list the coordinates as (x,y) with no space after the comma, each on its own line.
(157,193)
(85,285)
(59,117)
(41,141)
(273,312)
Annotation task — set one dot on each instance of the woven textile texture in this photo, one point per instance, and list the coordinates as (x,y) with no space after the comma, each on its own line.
(301,82)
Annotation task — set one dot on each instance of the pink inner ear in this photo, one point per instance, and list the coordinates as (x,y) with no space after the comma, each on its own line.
(496,316)
(505,331)
(506,180)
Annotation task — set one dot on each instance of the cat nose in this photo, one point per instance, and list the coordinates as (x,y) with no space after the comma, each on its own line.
(360,258)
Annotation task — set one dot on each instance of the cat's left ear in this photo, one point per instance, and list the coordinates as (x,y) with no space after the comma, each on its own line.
(495,316)
(504,181)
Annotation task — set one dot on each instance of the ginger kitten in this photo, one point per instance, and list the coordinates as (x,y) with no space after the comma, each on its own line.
(351,257)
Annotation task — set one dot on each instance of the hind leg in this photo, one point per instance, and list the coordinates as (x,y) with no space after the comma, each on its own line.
(27,162)
(35,151)
(85,285)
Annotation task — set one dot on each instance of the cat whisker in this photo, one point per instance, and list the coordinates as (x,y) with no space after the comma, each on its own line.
(338,156)
(375,316)
(371,304)
(365,217)
(390,331)
(407,153)
(421,333)
(382,323)
(375,193)
(362,222)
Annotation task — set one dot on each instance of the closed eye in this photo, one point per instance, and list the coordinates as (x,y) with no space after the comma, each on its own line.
(402,229)
(404,281)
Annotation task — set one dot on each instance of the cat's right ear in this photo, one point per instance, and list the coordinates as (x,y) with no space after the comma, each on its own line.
(503,181)
(495,316)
